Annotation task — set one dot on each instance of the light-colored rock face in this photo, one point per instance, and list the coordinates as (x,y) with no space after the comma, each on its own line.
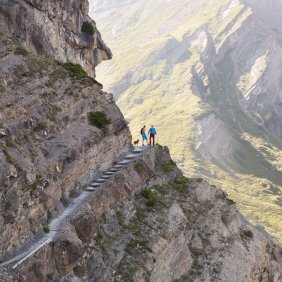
(207,74)
(48,148)
(215,140)
(54,28)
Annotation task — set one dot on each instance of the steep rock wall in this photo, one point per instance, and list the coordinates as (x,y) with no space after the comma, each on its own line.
(54,28)
(48,148)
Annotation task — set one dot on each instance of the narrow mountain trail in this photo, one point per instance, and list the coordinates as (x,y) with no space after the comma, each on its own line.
(56,226)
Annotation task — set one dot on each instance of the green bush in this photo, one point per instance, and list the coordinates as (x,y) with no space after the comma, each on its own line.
(40,126)
(11,160)
(98,239)
(49,276)
(73,194)
(58,74)
(88,28)
(150,197)
(2,88)
(98,119)
(168,167)
(52,115)
(133,246)
(230,202)
(8,205)
(147,194)
(21,51)
(46,229)
(75,70)
(9,141)
(180,184)
(247,234)
(79,271)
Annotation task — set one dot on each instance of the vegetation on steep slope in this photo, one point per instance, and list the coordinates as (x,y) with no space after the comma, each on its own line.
(159,72)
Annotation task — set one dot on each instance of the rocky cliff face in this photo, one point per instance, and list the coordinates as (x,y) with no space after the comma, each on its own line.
(48,145)
(62,30)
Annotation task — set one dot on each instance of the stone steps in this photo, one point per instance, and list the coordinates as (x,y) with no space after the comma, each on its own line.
(57,222)
(128,159)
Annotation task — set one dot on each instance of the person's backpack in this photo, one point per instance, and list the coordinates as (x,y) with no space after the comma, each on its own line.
(141,131)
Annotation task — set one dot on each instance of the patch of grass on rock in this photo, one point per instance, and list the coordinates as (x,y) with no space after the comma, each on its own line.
(11,160)
(8,205)
(75,70)
(169,166)
(79,271)
(98,119)
(151,198)
(73,194)
(98,239)
(9,141)
(180,184)
(40,126)
(21,51)
(2,88)
(58,74)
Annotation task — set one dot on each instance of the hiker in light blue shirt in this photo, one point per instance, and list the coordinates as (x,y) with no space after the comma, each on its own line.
(152,133)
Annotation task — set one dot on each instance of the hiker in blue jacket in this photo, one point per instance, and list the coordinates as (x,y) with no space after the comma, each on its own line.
(152,133)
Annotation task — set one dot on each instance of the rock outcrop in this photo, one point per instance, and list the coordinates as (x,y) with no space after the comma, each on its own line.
(62,30)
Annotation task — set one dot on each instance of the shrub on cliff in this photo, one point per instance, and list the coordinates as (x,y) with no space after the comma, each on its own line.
(75,70)
(150,197)
(169,166)
(21,51)
(98,119)
(88,28)
(79,271)
(40,126)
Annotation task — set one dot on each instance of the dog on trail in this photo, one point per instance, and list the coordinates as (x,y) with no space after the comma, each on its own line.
(136,143)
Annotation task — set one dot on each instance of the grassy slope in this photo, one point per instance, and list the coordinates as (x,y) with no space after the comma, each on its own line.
(153,86)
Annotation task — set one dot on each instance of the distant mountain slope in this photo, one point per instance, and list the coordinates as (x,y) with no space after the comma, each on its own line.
(207,74)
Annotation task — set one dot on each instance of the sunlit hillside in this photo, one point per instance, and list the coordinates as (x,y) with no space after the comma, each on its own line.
(206,74)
